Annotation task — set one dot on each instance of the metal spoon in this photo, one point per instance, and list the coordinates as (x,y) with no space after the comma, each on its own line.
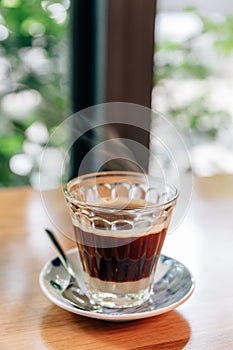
(72,293)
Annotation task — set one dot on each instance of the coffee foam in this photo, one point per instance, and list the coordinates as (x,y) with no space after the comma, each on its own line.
(123,210)
(132,233)
(122,203)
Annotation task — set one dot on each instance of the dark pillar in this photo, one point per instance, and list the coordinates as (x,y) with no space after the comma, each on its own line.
(112,45)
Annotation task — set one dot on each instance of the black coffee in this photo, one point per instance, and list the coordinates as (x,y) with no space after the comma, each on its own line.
(119,259)
(119,256)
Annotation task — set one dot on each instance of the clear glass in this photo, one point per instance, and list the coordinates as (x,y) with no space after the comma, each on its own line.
(120,221)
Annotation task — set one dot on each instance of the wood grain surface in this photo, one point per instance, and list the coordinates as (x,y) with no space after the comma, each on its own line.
(204,242)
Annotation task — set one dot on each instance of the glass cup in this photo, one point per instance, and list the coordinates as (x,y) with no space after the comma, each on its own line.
(120,221)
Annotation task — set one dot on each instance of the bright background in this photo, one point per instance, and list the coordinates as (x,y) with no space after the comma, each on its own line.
(193,83)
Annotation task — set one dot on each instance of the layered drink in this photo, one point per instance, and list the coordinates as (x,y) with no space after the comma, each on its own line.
(119,240)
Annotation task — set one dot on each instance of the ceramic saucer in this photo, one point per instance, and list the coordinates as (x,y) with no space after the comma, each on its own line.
(172,286)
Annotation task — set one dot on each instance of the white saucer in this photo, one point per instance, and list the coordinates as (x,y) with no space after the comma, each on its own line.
(173,285)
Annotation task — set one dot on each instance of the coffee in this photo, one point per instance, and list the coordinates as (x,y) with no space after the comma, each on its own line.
(125,261)
(120,256)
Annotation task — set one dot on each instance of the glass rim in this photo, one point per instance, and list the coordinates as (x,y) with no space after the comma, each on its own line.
(148,205)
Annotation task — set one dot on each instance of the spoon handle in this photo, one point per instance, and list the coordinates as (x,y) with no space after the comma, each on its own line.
(61,254)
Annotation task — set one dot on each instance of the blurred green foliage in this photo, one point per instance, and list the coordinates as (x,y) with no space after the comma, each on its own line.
(33,46)
(181,60)
(33,58)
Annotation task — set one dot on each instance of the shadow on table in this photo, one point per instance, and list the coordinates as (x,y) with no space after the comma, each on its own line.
(61,329)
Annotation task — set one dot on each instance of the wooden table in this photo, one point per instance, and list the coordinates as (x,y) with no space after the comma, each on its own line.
(204,242)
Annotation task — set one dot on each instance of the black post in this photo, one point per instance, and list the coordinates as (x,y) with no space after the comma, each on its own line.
(86,91)
(112,43)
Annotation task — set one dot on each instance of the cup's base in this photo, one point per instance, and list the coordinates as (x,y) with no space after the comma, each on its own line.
(117,294)
(112,300)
